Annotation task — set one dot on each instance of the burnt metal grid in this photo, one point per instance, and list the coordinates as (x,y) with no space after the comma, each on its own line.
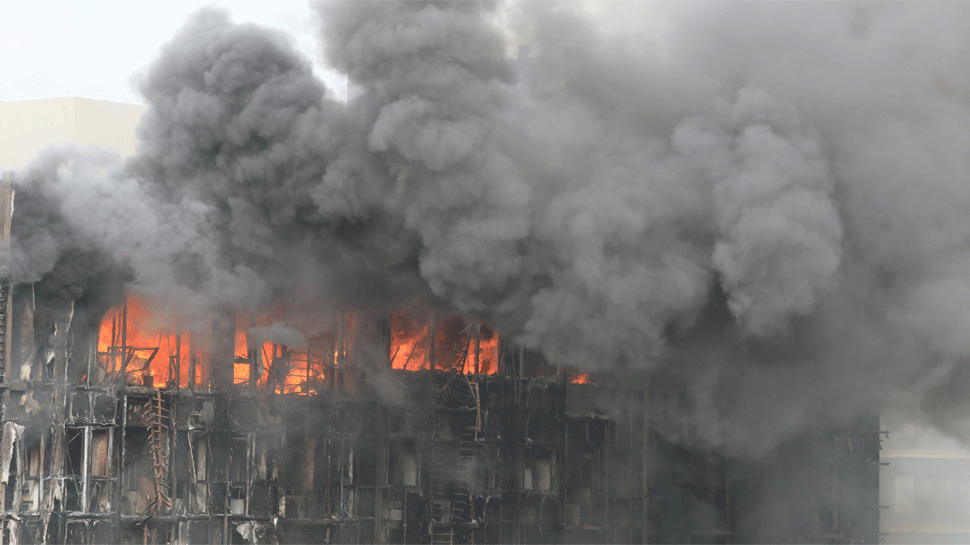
(504,458)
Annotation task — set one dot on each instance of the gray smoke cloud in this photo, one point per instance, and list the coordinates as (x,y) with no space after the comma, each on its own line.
(766,202)
(278,332)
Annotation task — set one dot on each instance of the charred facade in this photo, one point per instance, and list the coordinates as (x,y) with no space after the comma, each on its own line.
(712,194)
(102,445)
(402,427)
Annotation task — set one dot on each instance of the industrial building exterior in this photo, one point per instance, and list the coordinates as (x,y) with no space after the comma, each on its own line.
(405,427)
(187,441)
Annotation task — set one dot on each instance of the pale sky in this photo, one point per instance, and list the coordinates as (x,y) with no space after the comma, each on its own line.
(93,47)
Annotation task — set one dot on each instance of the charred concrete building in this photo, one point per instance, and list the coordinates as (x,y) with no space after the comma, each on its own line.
(401,427)
(292,319)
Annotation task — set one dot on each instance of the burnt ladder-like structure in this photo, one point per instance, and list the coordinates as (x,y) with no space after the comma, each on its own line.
(158,432)
(461,506)
(453,467)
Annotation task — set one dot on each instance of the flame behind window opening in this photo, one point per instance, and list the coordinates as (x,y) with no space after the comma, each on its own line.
(284,369)
(487,353)
(243,359)
(410,332)
(456,344)
(152,353)
(158,356)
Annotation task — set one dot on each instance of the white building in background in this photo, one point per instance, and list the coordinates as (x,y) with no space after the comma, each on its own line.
(925,488)
(29,126)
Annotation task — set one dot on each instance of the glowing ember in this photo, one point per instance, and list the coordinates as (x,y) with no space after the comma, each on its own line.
(578,378)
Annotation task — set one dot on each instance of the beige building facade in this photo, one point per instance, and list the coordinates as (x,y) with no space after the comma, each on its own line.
(924,485)
(29,126)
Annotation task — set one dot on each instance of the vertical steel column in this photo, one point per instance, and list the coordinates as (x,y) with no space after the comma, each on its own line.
(255,353)
(120,465)
(6,289)
(175,365)
(86,469)
(478,338)
(222,350)
(124,344)
(192,350)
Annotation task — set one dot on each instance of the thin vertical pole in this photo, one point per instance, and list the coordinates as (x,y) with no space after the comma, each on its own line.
(86,440)
(124,341)
(431,343)
(192,350)
(255,357)
(178,360)
(113,347)
(478,337)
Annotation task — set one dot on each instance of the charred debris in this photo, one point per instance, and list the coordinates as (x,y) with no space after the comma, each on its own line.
(387,428)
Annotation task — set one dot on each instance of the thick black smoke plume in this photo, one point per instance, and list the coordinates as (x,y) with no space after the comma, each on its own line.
(768,202)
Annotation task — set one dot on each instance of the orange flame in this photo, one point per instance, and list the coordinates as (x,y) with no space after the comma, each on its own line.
(158,357)
(245,357)
(576,377)
(409,341)
(128,339)
(287,370)
(240,371)
(487,353)
(416,337)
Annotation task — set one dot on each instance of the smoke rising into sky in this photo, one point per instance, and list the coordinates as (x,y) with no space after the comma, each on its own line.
(767,201)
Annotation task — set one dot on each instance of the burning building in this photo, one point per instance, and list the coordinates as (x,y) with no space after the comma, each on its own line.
(635,288)
(122,431)
(410,426)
